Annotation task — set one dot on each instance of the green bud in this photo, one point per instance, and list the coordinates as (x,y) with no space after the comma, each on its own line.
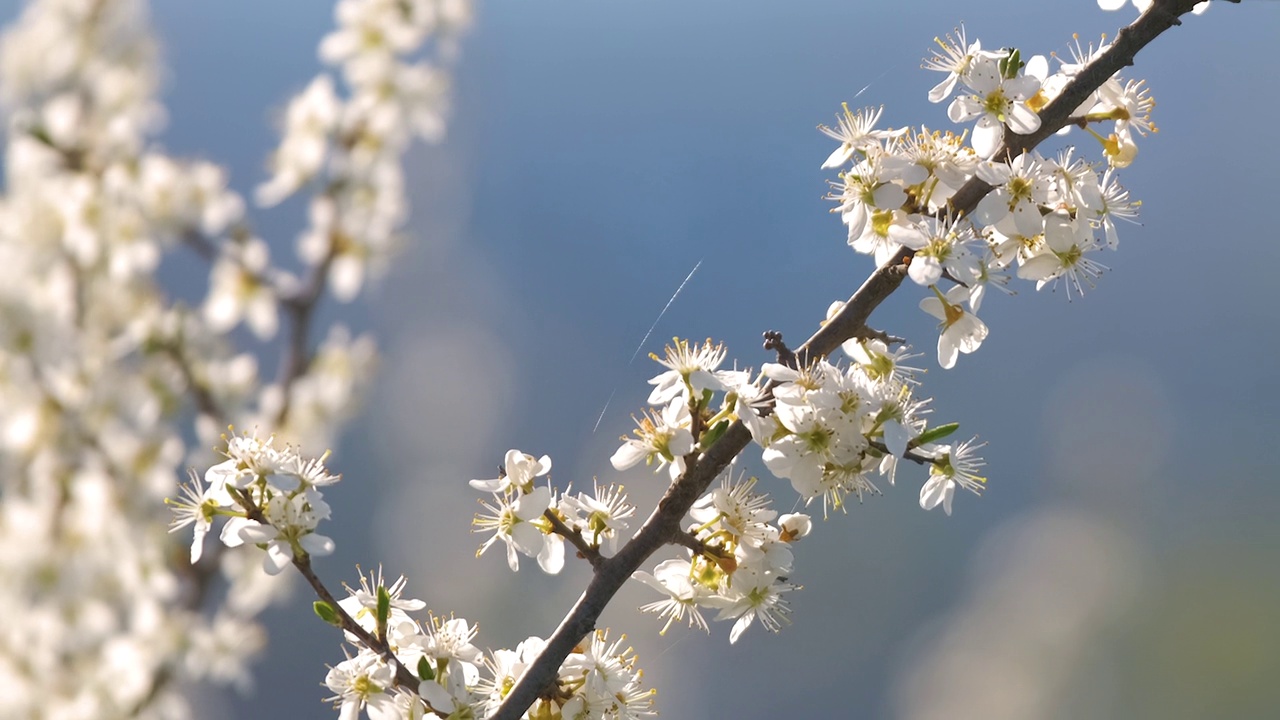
(933,434)
(325,612)
(711,436)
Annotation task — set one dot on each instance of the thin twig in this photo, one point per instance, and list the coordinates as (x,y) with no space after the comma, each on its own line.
(575,538)
(302,561)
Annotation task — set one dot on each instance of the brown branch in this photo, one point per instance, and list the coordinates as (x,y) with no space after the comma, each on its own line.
(302,561)
(663,525)
(585,549)
(687,540)
(908,455)
(300,308)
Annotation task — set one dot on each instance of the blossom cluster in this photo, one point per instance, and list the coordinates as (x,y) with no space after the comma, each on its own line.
(828,429)
(271,496)
(109,383)
(534,521)
(740,564)
(350,147)
(457,679)
(1047,215)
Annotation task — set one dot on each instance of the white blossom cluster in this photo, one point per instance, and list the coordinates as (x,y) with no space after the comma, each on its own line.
(740,566)
(108,384)
(829,430)
(825,428)
(533,521)
(1047,216)
(458,680)
(271,496)
(349,148)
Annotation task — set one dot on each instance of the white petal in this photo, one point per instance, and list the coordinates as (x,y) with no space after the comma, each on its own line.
(491,486)
(924,270)
(933,492)
(942,90)
(963,109)
(256,532)
(627,456)
(947,351)
(896,438)
(278,557)
(988,133)
(741,625)
(318,545)
(839,157)
(1022,119)
(1027,219)
(551,559)
(933,306)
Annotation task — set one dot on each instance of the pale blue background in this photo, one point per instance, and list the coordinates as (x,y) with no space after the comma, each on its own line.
(599,149)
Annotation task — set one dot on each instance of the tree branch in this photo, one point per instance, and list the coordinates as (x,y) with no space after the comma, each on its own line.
(302,561)
(663,525)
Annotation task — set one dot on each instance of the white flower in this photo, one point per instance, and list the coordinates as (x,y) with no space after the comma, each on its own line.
(198,507)
(362,603)
(673,578)
(1021,188)
(362,682)
(734,508)
(1063,254)
(1115,204)
(953,466)
(600,516)
(881,364)
(518,473)
(954,57)
(753,596)
(289,521)
(310,120)
(962,331)
(794,526)
(855,133)
(691,370)
(996,101)
(519,523)
(238,290)
(664,439)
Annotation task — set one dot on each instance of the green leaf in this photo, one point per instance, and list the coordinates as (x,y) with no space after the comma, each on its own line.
(424,669)
(325,612)
(933,434)
(711,436)
(384,610)
(1010,65)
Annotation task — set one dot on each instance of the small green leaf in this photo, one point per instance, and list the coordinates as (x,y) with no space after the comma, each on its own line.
(933,434)
(424,669)
(384,610)
(1010,65)
(325,612)
(711,436)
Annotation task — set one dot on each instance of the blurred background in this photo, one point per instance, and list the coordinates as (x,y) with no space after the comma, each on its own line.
(1124,561)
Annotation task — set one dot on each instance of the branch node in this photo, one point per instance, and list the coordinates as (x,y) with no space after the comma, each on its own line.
(773,341)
